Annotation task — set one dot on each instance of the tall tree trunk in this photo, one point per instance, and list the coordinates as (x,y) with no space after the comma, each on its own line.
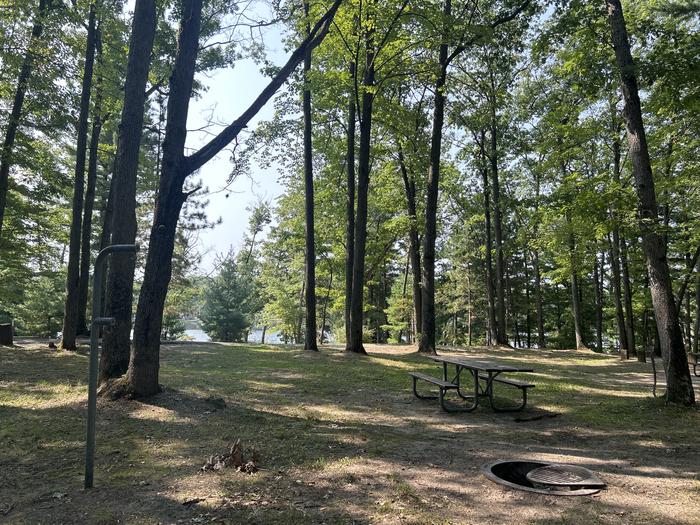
(615,243)
(492,335)
(617,293)
(696,338)
(120,279)
(528,313)
(363,169)
(679,387)
(536,269)
(85,245)
(17,104)
(107,207)
(144,363)
(498,229)
(538,300)
(469,306)
(427,336)
(325,304)
(413,242)
(597,281)
(627,293)
(687,317)
(350,206)
(310,253)
(512,312)
(70,315)
(575,297)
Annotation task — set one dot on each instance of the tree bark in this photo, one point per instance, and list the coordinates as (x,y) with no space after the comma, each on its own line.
(85,245)
(363,169)
(679,387)
(350,206)
(409,184)
(70,315)
(120,278)
(427,336)
(17,104)
(310,254)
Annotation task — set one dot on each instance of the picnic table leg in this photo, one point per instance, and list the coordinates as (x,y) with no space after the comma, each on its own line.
(474,398)
(489,387)
(421,396)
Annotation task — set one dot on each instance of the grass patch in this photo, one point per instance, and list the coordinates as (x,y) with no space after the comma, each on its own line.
(341,440)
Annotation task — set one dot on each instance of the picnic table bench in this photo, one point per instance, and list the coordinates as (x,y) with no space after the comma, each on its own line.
(483,375)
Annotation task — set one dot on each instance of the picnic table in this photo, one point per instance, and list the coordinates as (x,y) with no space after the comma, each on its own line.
(482,376)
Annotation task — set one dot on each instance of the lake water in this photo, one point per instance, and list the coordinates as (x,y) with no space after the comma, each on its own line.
(255,336)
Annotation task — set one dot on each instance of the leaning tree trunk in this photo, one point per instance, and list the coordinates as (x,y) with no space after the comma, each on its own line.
(120,280)
(310,253)
(427,336)
(85,244)
(13,121)
(679,387)
(144,364)
(350,206)
(363,169)
(70,313)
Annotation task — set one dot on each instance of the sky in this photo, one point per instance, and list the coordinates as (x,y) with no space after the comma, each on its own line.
(230,92)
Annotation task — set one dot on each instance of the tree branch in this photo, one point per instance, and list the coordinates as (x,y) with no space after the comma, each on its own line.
(214,146)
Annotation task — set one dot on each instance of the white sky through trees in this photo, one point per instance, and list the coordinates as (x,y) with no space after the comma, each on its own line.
(228,93)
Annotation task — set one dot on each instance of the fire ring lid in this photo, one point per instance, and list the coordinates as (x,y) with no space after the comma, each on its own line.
(564,476)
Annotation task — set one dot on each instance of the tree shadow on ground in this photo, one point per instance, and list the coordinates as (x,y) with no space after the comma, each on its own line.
(341,439)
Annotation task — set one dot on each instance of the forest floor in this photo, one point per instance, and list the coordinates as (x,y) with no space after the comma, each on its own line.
(341,439)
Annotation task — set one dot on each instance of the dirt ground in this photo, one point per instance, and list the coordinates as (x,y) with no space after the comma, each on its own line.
(341,439)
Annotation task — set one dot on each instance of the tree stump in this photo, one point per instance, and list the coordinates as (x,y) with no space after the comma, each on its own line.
(6,334)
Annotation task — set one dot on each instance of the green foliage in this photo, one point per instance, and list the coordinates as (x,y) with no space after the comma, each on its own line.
(226,312)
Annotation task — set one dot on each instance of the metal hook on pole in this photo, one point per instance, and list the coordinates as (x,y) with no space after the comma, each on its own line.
(97,322)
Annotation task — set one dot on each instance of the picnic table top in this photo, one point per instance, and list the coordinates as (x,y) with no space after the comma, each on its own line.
(478,364)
